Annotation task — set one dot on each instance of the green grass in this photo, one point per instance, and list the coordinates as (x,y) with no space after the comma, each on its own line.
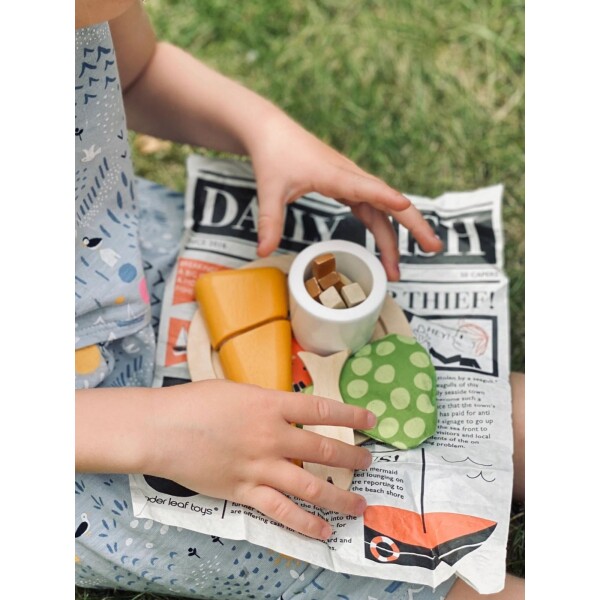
(428,95)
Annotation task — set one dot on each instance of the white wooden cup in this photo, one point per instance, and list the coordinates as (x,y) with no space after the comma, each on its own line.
(324,330)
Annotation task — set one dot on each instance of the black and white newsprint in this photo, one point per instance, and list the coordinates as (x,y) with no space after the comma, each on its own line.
(439,509)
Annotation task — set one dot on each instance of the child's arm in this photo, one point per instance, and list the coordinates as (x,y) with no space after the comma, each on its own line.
(225,440)
(171,95)
(90,12)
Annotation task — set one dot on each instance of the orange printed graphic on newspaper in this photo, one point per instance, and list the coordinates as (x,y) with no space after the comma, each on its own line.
(399,536)
(300,376)
(188,270)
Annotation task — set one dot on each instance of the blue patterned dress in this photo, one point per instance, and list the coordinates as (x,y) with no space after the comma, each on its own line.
(127,239)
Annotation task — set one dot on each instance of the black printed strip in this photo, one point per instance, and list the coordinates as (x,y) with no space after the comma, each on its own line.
(227,176)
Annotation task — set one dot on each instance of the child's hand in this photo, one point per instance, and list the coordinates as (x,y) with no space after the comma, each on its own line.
(171,95)
(288,162)
(233,441)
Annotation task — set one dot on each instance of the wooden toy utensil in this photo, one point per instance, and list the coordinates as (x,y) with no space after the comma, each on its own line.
(199,351)
(325,373)
(392,320)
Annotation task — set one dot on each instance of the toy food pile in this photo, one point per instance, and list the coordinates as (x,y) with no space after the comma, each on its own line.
(330,288)
(246,314)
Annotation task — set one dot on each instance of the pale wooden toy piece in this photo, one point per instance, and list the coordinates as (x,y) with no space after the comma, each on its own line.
(379,331)
(199,351)
(331,279)
(281,261)
(345,280)
(393,320)
(331,298)
(352,294)
(203,361)
(323,264)
(325,373)
(313,288)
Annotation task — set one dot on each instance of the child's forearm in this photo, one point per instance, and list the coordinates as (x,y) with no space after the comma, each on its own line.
(88,12)
(170,94)
(113,430)
(179,98)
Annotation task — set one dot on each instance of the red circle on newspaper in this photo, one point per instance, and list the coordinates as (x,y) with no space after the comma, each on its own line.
(392,552)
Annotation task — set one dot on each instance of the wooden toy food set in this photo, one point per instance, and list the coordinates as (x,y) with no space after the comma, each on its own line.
(241,331)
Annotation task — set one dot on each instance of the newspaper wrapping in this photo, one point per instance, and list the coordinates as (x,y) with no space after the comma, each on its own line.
(439,509)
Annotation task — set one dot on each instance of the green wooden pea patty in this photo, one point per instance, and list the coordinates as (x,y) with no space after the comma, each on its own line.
(394,378)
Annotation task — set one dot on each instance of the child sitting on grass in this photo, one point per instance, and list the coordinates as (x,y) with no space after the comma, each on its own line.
(125,426)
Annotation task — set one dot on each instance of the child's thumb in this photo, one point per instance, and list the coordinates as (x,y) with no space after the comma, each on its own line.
(271,211)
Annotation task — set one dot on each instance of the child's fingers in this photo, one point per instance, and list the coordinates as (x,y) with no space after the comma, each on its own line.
(360,186)
(275,505)
(293,480)
(316,410)
(315,448)
(385,236)
(352,187)
(271,212)
(420,229)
